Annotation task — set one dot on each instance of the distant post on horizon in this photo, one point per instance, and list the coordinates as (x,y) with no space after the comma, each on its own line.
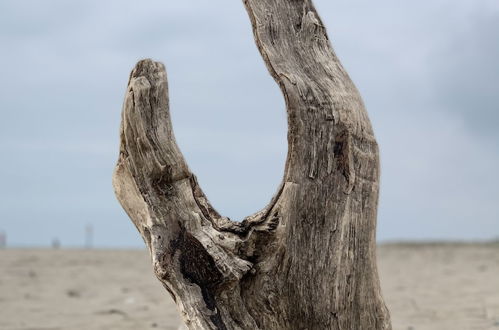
(3,240)
(56,244)
(89,236)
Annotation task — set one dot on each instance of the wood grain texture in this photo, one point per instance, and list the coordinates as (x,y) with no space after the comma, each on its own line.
(307,260)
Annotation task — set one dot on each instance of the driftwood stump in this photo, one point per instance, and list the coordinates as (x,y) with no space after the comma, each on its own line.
(307,260)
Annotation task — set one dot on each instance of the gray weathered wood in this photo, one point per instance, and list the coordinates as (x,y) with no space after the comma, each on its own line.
(307,260)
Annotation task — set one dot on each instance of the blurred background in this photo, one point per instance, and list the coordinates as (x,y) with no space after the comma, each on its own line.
(428,72)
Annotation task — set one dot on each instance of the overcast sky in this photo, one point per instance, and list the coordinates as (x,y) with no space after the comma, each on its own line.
(428,72)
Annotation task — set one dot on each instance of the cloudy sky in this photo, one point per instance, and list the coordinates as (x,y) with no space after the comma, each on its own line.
(428,72)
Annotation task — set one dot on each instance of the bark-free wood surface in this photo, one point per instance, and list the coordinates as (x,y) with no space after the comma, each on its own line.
(307,260)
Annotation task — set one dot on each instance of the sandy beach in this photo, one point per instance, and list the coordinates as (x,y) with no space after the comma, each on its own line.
(426,286)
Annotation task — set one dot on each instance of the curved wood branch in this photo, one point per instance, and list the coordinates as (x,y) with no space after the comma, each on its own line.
(307,260)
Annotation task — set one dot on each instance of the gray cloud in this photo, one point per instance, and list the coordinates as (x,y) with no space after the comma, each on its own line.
(65,67)
(467,75)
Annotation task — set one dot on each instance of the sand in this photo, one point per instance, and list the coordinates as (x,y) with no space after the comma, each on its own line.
(441,287)
(427,287)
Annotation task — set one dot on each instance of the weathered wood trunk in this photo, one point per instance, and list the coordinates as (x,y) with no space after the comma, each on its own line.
(307,260)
